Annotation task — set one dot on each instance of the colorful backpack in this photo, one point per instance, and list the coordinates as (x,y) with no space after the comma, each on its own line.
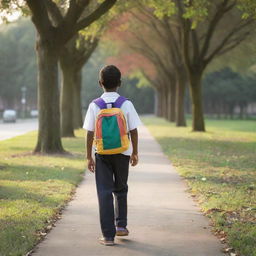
(111,136)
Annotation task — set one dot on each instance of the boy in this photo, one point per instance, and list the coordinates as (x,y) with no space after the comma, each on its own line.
(111,170)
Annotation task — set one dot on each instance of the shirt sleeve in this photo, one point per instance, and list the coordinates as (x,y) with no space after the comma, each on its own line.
(89,121)
(133,118)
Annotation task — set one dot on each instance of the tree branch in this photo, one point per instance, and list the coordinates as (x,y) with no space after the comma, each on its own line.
(220,11)
(74,12)
(83,58)
(171,36)
(234,43)
(139,18)
(148,78)
(40,16)
(149,52)
(54,12)
(226,40)
(195,44)
(102,9)
(185,26)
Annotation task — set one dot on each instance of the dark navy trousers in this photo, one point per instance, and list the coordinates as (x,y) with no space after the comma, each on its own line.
(111,180)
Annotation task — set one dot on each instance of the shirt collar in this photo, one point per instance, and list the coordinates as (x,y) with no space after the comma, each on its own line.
(109,94)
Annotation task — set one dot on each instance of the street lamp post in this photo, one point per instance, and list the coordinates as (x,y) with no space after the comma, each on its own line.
(23,100)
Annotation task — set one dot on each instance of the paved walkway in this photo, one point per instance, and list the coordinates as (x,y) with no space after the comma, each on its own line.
(10,130)
(163,219)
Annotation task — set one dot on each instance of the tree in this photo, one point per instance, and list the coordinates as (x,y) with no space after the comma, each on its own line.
(136,89)
(221,92)
(225,89)
(248,7)
(142,43)
(206,33)
(50,41)
(169,36)
(202,42)
(72,58)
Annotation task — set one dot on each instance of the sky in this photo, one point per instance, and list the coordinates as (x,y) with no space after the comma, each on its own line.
(10,17)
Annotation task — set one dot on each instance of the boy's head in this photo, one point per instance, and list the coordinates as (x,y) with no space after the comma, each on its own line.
(110,77)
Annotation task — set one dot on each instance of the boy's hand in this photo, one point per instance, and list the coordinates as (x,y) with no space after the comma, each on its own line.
(91,164)
(134,138)
(134,159)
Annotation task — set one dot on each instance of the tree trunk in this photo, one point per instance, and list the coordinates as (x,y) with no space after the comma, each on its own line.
(77,104)
(231,111)
(218,109)
(172,104)
(197,106)
(67,89)
(168,104)
(226,110)
(180,96)
(241,113)
(158,105)
(49,139)
(164,103)
(170,93)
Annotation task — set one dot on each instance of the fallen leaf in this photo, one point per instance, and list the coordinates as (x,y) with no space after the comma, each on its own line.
(223,239)
(226,250)
(49,227)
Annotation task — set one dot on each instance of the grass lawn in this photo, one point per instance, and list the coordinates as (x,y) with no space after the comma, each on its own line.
(33,190)
(220,168)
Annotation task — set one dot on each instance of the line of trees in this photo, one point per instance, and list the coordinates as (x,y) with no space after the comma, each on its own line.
(175,42)
(180,39)
(18,69)
(225,90)
(57,25)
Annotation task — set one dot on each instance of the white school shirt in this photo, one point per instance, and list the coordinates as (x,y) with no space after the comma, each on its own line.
(131,116)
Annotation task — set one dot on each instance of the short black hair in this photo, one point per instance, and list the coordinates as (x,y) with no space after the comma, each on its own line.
(110,76)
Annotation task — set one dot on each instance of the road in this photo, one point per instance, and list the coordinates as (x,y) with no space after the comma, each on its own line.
(163,220)
(9,130)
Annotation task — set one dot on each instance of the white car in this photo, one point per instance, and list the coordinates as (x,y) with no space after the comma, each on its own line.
(9,115)
(34,113)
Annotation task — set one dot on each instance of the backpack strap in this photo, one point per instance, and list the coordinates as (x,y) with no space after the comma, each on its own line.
(117,104)
(119,101)
(100,103)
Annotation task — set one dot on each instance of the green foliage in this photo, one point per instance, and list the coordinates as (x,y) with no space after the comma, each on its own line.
(18,62)
(241,59)
(97,28)
(141,97)
(129,88)
(161,7)
(196,10)
(228,89)
(219,167)
(142,81)
(248,8)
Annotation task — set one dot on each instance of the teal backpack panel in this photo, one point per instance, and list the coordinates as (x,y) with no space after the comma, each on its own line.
(110,133)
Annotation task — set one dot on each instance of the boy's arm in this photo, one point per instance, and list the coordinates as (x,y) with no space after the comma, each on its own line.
(134,138)
(89,142)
